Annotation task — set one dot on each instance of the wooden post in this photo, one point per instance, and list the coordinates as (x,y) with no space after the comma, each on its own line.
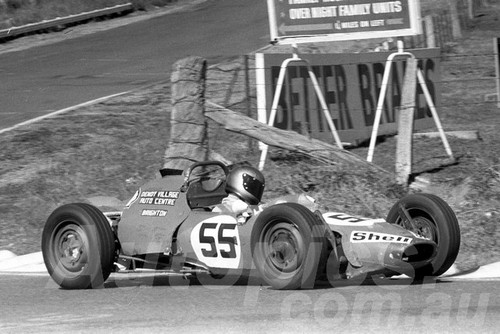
(471,9)
(188,134)
(248,98)
(455,22)
(496,48)
(405,125)
(429,32)
(291,140)
(438,31)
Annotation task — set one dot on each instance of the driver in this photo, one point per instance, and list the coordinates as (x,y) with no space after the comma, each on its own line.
(245,186)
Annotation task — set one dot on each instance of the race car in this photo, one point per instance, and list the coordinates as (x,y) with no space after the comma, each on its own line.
(178,224)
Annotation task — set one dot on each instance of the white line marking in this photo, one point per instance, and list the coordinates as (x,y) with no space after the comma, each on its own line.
(25,273)
(81,105)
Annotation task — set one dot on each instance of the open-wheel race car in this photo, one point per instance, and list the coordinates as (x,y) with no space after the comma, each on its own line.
(208,219)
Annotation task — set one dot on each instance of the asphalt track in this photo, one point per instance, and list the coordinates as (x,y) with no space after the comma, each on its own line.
(455,303)
(37,81)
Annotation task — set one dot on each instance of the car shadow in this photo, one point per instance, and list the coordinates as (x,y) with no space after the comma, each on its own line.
(249,278)
(117,280)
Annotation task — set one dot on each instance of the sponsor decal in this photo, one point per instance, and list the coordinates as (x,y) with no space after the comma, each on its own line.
(216,242)
(337,218)
(158,197)
(365,236)
(133,199)
(154,213)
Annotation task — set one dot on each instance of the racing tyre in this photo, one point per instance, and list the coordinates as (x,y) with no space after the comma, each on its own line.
(435,220)
(78,246)
(287,242)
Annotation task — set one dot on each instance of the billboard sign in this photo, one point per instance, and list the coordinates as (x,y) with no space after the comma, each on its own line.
(296,21)
(351,85)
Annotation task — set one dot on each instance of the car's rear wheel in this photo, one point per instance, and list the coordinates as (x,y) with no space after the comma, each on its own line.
(287,242)
(78,246)
(433,219)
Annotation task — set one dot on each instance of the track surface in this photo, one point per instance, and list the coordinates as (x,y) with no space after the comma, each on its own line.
(34,304)
(458,302)
(48,78)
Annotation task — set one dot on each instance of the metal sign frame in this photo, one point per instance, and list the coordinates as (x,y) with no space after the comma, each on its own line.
(381,99)
(351,83)
(324,20)
(295,58)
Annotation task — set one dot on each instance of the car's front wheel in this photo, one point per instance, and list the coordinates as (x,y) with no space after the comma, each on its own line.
(287,242)
(433,219)
(78,246)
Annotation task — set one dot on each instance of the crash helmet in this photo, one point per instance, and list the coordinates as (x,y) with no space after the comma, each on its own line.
(247,183)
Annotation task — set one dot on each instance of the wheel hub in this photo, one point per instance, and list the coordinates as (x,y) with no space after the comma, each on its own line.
(71,248)
(284,249)
(424,228)
(69,244)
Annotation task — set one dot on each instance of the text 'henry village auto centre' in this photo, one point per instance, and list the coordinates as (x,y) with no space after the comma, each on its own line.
(350,82)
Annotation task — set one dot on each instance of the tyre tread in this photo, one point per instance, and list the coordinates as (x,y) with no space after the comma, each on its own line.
(315,229)
(453,226)
(84,215)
